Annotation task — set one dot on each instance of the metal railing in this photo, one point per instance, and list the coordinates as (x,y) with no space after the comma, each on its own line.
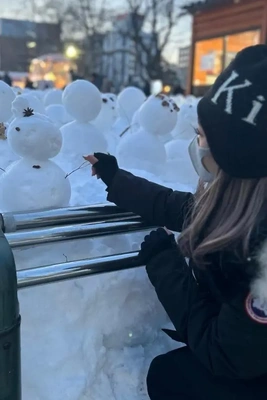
(37,228)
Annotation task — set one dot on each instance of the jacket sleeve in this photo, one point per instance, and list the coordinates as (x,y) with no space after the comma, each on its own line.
(230,344)
(157,204)
(173,281)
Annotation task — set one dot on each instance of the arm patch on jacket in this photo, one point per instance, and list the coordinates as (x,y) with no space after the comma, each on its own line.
(256,309)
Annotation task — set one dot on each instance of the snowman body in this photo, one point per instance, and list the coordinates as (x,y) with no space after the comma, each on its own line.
(179,167)
(7,96)
(144,149)
(80,139)
(82,101)
(33,182)
(30,184)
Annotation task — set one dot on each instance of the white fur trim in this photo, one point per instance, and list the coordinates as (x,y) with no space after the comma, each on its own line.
(259,285)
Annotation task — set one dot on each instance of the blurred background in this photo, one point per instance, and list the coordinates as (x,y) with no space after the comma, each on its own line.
(174,46)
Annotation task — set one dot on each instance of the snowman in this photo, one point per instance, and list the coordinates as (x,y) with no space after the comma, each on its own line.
(143,149)
(179,166)
(106,119)
(187,121)
(129,101)
(107,116)
(52,96)
(7,155)
(82,101)
(6,98)
(34,182)
(58,114)
(33,102)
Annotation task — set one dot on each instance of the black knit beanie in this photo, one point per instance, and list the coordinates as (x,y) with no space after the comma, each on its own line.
(233,114)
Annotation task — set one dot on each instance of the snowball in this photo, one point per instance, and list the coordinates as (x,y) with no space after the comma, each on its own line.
(6,98)
(158,115)
(34,137)
(129,101)
(142,150)
(82,100)
(53,96)
(30,185)
(58,114)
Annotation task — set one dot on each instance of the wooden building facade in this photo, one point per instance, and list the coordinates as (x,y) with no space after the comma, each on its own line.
(221,28)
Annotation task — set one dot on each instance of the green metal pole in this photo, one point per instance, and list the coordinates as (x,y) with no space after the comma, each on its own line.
(10,364)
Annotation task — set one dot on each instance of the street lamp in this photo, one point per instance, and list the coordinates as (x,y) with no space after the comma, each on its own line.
(71,52)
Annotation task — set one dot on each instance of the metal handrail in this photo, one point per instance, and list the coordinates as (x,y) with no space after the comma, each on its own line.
(76,269)
(13,222)
(72,232)
(36,228)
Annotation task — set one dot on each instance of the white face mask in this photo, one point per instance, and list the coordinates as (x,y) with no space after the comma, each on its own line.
(197,155)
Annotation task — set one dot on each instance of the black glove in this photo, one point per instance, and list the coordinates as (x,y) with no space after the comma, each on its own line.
(155,243)
(106,167)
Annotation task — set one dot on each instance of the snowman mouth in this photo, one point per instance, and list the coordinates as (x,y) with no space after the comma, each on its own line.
(36,166)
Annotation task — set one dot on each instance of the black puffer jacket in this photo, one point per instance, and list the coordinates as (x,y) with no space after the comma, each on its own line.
(221,312)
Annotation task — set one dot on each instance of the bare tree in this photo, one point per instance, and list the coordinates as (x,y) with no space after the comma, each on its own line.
(151,28)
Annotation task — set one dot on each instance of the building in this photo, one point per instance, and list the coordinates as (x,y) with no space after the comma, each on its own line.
(221,28)
(183,65)
(21,41)
(123,62)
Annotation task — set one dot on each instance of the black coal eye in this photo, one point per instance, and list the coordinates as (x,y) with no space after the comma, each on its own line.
(18,129)
(111,99)
(104,100)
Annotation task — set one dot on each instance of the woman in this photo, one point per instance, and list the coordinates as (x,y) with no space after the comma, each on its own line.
(218,304)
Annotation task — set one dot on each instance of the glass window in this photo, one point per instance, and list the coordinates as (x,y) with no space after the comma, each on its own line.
(213,55)
(208,61)
(237,42)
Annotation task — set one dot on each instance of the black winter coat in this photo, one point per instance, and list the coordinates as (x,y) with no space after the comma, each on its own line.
(221,312)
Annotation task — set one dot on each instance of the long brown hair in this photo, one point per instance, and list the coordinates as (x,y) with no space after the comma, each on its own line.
(223,217)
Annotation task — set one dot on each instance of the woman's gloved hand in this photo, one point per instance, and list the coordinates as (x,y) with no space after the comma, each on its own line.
(104,166)
(154,243)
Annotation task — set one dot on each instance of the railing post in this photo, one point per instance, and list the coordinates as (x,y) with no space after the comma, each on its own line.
(10,363)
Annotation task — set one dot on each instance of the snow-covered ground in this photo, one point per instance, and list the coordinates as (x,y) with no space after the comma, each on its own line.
(92,338)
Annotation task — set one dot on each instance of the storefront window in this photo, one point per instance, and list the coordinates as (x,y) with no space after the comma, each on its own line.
(213,55)
(208,61)
(234,43)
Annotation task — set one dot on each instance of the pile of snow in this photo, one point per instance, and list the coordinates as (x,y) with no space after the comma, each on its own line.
(94,337)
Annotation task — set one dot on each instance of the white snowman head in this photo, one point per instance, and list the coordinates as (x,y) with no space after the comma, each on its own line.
(27,100)
(129,101)
(6,98)
(107,115)
(158,115)
(58,114)
(111,96)
(34,136)
(82,101)
(52,96)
